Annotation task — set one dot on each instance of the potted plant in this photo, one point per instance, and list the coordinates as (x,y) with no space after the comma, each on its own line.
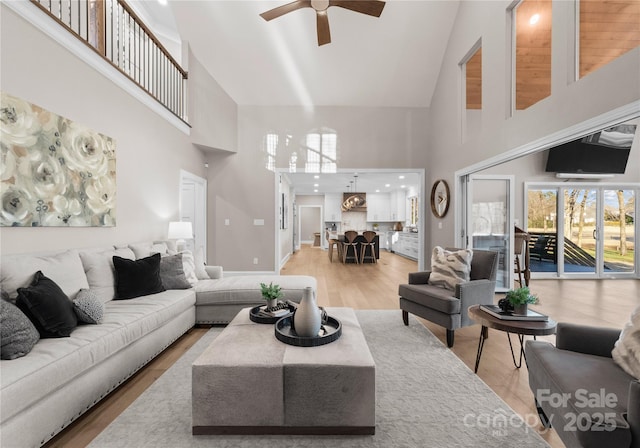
(520,298)
(271,293)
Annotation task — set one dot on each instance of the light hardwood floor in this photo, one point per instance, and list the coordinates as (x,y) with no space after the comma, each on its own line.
(375,286)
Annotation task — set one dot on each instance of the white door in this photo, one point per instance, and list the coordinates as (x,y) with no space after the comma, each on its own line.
(193,208)
(489,221)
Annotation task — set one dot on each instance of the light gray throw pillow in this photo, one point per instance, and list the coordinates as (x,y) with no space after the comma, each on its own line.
(172,273)
(18,335)
(88,307)
(450,268)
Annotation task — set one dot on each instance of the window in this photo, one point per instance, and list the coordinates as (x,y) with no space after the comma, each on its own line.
(321,151)
(532,21)
(608,29)
(271,148)
(473,76)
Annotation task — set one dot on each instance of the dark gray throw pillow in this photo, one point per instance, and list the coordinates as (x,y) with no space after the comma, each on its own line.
(172,273)
(135,278)
(88,307)
(47,307)
(17,333)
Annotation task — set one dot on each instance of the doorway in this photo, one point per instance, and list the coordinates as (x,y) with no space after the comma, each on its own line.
(488,224)
(193,208)
(309,224)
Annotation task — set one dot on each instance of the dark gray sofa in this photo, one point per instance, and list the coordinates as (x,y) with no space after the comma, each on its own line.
(585,396)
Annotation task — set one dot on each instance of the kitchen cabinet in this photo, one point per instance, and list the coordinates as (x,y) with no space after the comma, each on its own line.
(398,204)
(405,244)
(332,207)
(378,207)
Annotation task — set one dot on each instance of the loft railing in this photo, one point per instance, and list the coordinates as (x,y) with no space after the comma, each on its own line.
(113,30)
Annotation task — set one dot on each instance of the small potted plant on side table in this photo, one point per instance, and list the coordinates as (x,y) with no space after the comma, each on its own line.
(271,293)
(520,298)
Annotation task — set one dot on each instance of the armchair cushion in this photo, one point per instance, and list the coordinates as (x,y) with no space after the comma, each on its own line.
(450,268)
(430,296)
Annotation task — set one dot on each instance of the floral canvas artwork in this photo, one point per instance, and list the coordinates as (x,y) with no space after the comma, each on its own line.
(54,172)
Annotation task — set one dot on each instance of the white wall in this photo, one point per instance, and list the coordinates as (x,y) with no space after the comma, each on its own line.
(241,188)
(612,86)
(149,154)
(213,115)
(309,222)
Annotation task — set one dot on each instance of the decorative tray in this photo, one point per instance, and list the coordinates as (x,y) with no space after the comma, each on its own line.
(258,315)
(285,333)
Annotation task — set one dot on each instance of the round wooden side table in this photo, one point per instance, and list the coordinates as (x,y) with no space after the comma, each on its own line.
(519,327)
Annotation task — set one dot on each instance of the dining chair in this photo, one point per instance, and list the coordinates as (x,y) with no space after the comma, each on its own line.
(369,243)
(349,242)
(333,242)
(521,260)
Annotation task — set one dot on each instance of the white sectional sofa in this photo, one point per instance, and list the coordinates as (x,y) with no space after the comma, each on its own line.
(60,378)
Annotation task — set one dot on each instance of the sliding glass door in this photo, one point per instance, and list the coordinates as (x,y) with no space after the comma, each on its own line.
(489,221)
(593,236)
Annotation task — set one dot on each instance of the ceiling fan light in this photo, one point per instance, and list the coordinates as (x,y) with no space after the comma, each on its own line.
(320,5)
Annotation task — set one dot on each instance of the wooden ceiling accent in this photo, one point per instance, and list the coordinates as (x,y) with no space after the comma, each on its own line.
(608,29)
(533,52)
(474,80)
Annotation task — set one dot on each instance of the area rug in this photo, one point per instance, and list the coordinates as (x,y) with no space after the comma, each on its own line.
(425,397)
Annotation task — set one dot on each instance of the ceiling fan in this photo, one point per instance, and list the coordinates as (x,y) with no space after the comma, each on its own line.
(369,7)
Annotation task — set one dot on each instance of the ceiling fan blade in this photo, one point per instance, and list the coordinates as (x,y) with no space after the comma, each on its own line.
(284,9)
(322,24)
(369,7)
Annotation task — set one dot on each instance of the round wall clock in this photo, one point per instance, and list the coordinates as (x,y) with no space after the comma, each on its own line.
(440,198)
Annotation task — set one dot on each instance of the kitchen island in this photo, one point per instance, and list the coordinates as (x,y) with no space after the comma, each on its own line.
(359,240)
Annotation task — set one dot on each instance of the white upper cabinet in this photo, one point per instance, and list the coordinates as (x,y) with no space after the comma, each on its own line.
(332,210)
(379,207)
(399,205)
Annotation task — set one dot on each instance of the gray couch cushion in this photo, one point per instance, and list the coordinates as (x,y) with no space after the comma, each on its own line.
(590,374)
(434,297)
(64,268)
(53,362)
(98,267)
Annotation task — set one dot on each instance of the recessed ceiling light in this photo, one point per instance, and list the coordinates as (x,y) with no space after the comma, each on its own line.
(162,2)
(400,177)
(403,186)
(387,185)
(534,19)
(377,191)
(316,185)
(315,191)
(316,177)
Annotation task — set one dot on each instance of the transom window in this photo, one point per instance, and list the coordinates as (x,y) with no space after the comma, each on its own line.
(321,151)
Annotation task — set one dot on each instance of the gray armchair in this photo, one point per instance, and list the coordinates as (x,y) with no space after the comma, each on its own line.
(449,308)
(580,366)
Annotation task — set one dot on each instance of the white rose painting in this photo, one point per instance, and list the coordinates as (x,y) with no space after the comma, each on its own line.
(53,172)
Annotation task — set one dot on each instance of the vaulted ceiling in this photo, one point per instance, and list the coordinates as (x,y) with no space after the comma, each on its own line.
(393,60)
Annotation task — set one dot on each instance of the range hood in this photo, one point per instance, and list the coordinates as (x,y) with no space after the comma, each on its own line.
(354,202)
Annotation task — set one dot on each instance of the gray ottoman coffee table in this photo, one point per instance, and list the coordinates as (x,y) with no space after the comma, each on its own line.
(248,382)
